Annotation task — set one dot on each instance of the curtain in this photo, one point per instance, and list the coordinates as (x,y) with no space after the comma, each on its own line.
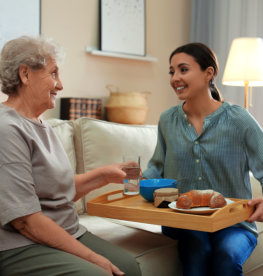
(216,23)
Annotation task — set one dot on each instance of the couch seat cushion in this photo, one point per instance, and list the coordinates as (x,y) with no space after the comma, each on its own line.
(156,253)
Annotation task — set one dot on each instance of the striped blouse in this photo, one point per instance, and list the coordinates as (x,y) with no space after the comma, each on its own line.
(219,158)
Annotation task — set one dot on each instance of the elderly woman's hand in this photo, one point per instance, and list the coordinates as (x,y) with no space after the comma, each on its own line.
(106,264)
(115,173)
(99,177)
(41,229)
(258,213)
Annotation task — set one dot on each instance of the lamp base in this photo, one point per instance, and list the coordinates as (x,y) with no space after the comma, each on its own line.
(246,95)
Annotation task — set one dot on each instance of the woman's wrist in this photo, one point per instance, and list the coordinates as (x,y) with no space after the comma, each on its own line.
(88,181)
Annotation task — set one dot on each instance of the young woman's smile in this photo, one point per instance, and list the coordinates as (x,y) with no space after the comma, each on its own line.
(187,78)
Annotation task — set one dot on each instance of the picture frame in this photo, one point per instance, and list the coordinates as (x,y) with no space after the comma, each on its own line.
(122,26)
(19,18)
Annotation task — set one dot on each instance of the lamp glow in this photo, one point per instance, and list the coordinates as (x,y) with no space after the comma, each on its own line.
(244,65)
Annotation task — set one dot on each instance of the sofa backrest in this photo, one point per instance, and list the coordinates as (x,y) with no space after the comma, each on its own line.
(99,143)
(92,143)
(65,132)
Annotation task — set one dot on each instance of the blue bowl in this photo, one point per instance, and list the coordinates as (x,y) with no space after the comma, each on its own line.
(148,186)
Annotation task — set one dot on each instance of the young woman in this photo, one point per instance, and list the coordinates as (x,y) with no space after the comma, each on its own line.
(206,143)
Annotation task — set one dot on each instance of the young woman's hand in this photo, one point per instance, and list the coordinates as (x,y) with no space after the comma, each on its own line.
(258,213)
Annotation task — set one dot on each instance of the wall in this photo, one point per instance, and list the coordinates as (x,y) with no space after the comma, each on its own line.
(75,24)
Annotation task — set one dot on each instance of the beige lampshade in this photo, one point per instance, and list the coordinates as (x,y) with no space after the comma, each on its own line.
(245,62)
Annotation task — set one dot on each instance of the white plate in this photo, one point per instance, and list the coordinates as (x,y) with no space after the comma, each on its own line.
(197,210)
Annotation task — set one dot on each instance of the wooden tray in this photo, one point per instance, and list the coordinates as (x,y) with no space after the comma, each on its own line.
(116,205)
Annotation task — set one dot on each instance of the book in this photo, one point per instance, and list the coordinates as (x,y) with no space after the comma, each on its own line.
(74,108)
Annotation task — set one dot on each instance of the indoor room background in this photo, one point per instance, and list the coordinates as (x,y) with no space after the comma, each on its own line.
(75,25)
(169,24)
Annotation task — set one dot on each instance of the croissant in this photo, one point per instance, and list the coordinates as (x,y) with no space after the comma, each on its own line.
(200,198)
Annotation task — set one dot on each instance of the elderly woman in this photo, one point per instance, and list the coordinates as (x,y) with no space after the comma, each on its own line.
(39,229)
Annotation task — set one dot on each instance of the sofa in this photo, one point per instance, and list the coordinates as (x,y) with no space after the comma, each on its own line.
(90,143)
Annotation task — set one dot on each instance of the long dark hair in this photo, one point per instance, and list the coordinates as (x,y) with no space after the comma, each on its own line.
(205,57)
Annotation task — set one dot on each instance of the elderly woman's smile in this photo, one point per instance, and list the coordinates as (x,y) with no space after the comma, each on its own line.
(42,85)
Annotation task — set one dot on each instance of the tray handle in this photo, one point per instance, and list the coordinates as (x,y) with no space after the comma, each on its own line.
(110,197)
(239,207)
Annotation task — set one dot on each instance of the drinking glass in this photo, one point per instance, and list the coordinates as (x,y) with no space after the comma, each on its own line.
(132,181)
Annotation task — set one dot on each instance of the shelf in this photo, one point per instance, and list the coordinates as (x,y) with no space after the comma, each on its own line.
(96,52)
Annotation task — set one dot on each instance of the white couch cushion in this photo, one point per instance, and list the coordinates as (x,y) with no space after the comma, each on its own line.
(99,143)
(150,248)
(65,131)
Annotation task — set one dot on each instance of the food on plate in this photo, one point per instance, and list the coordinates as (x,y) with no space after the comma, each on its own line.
(200,198)
(164,196)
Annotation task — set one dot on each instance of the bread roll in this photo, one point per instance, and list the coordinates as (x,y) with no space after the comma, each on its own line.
(200,198)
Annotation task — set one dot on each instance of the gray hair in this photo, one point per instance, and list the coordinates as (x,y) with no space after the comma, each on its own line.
(25,50)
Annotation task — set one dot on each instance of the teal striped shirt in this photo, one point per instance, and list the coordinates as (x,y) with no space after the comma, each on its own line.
(219,158)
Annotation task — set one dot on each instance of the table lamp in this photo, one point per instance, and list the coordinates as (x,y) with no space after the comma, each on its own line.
(244,66)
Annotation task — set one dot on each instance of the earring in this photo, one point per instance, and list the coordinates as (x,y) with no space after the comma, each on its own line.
(211,83)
